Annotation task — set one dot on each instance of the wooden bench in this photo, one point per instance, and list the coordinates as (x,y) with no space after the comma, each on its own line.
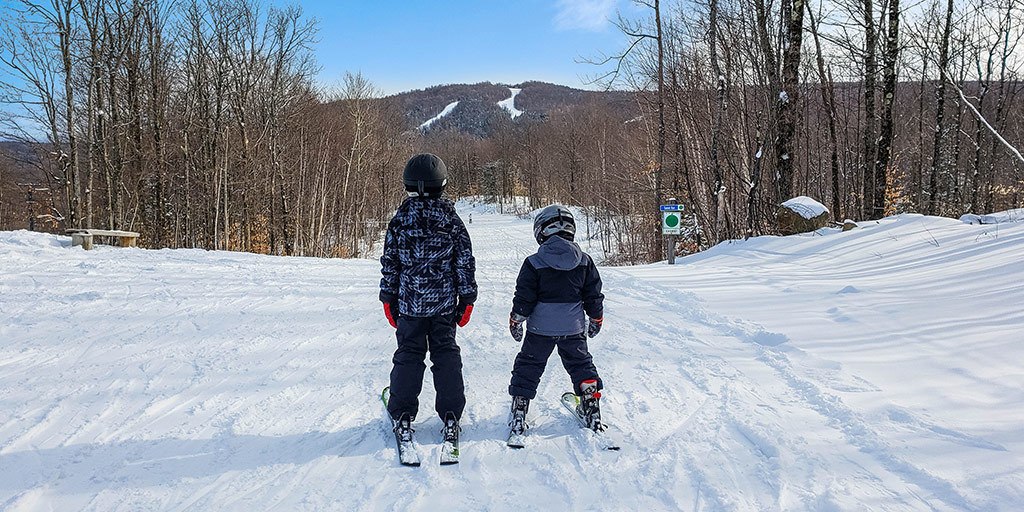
(83,237)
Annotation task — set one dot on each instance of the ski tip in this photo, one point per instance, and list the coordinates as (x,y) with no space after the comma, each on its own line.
(412,464)
(449,462)
(516,441)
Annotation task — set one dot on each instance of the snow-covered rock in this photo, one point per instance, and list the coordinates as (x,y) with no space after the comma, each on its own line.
(801,215)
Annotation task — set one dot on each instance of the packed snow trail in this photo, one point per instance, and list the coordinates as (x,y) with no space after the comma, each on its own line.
(195,380)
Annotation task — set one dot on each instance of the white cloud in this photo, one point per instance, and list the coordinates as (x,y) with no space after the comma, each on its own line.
(584,14)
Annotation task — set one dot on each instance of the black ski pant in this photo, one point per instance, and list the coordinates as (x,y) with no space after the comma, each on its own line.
(417,336)
(533,357)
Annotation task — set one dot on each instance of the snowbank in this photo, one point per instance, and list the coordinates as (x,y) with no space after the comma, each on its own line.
(994,218)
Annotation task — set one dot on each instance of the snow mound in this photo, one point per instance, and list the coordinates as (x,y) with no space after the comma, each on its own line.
(1016,215)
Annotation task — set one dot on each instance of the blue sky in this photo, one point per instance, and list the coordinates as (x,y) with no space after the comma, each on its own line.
(401,45)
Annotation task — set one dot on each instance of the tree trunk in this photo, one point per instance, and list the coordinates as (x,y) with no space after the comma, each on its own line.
(939,167)
(870,75)
(885,134)
(788,97)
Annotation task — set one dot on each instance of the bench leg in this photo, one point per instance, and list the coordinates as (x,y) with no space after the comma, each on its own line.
(80,239)
(127,241)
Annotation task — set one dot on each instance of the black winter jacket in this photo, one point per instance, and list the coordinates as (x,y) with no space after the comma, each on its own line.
(428,261)
(556,287)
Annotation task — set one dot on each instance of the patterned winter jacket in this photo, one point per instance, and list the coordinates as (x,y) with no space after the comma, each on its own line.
(428,260)
(556,287)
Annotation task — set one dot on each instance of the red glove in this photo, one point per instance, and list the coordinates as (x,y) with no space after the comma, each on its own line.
(390,315)
(464,319)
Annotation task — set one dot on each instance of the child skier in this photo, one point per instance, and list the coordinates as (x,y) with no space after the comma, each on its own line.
(557,289)
(428,287)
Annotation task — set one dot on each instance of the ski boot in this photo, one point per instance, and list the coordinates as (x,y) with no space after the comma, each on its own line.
(517,416)
(403,436)
(450,443)
(589,408)
(403,429)
(517,421)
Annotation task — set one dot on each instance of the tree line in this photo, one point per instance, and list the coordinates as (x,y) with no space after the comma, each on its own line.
(199,123)
(872,107)
(196,123)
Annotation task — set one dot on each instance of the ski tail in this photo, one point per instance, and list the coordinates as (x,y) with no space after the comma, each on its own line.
(571,402)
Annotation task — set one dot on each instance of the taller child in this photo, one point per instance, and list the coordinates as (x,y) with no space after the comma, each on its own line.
(428,287)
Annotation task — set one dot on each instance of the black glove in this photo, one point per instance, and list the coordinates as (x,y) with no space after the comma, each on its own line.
(515,326)
(594,326)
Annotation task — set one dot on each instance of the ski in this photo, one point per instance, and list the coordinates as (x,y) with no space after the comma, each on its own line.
(407,453)
(570,401)
(449,453)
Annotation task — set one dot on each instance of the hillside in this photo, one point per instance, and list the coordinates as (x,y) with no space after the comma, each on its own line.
(478,111)
(877,369)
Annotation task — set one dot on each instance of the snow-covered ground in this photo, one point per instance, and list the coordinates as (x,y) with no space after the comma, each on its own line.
(877,369)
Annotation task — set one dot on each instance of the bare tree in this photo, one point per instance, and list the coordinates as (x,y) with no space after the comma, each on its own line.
(793,13)
(885,135)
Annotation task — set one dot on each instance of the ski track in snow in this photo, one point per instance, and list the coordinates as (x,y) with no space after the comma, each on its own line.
(194,380)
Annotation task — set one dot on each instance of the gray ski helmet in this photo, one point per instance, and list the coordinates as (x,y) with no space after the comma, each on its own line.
(554,220)
(425,175)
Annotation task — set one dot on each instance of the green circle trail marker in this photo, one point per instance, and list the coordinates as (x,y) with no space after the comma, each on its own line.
(671,219)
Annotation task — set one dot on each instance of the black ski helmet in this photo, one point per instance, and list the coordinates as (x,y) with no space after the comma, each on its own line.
(425,175)
(554,220)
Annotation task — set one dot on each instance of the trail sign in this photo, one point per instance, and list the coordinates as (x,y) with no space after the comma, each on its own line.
(671,219)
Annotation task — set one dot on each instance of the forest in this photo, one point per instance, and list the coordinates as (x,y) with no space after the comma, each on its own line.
(200,123)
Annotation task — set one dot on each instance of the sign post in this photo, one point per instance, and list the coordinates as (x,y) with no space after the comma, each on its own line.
(671,227)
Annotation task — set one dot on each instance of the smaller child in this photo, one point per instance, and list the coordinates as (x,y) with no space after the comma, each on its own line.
(558,288)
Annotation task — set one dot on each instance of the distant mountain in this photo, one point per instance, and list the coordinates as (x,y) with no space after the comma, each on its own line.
(18,161)
(478,112)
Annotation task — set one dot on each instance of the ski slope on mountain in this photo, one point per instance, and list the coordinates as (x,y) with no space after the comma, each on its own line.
(444,112)
(509,104)
(878,369)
